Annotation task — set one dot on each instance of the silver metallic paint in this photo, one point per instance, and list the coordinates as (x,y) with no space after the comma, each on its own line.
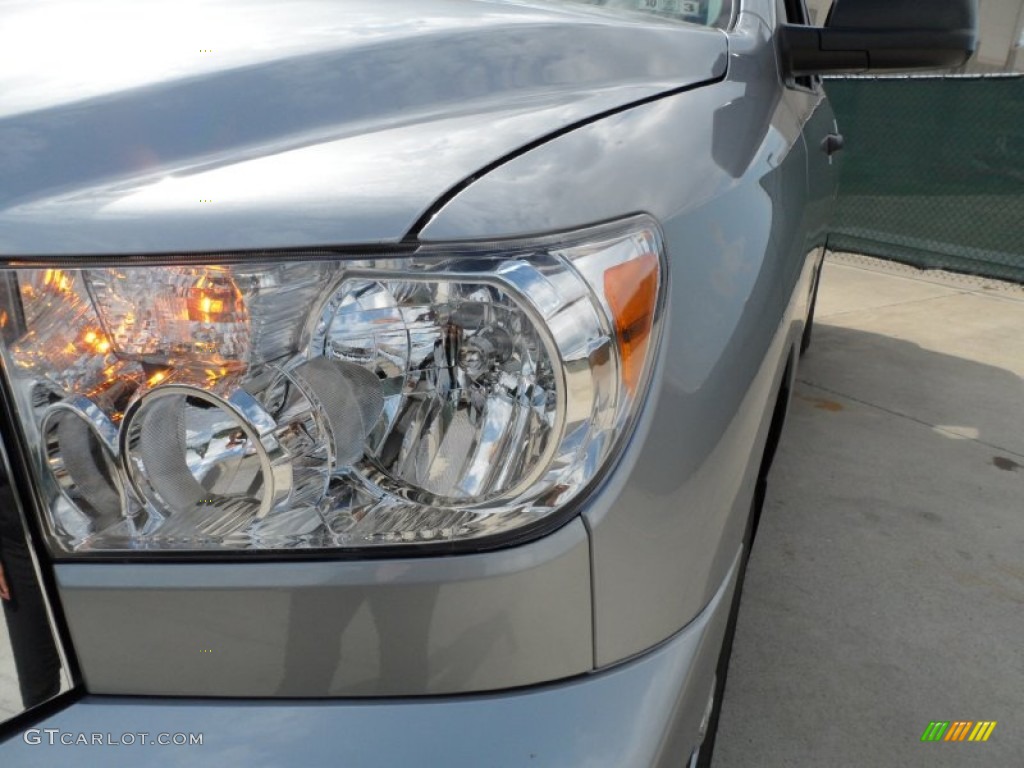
(483,622)
(643,714)
(724,168)
(333,137)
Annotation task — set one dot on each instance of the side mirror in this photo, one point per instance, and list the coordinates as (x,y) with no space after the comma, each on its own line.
(883,36)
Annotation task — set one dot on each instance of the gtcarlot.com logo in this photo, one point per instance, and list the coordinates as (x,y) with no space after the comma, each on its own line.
(958,730)
(55,736)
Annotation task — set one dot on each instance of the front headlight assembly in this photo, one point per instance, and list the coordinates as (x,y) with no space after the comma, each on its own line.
(455,397)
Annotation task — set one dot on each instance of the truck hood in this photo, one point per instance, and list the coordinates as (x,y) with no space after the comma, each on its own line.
(231,126)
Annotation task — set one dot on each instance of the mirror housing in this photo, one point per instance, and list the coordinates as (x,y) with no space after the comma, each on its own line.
(883,36)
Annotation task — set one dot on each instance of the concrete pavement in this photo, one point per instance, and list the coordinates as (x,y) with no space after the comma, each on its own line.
(886,585)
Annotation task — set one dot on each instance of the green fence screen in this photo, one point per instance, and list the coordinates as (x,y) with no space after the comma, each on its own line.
(933,171)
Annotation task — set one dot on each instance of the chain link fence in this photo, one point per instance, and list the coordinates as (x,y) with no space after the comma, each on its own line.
(933,172)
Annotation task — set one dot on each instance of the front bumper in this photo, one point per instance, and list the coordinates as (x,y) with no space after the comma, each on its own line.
(643,713)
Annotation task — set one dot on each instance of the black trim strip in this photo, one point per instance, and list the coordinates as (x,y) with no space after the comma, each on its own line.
(24,721)
(21,486)
(180,258)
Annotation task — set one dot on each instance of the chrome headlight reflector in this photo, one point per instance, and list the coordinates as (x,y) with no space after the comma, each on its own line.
(460,394)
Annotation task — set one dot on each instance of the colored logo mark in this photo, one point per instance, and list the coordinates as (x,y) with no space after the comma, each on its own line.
(958,730)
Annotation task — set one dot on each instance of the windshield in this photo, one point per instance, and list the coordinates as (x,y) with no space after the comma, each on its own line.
(712,13)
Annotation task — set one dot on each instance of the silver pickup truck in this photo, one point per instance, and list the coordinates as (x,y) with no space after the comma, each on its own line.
(396,383)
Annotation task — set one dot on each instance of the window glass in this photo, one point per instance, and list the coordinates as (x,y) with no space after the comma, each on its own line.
(712,13)
(818,10)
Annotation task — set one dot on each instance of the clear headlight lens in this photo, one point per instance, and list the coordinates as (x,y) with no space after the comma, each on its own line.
(454,394)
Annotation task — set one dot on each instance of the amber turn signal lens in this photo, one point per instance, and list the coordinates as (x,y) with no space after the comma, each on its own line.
(632,292)
(215,300)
